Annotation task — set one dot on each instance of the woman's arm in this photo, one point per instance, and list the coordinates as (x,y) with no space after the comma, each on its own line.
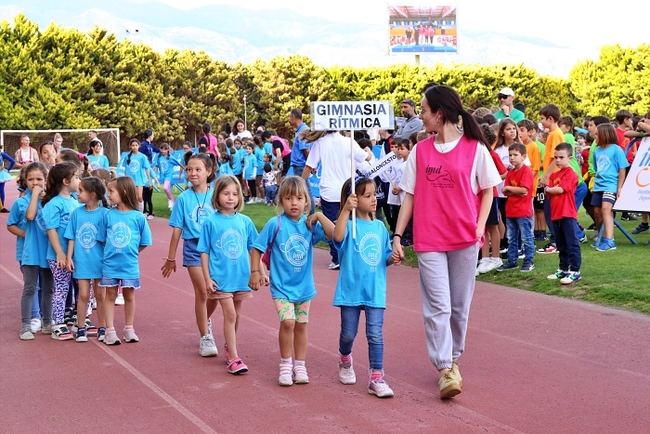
(405,214)
(484,210)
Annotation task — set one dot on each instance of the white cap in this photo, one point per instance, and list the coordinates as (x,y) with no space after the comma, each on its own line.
(507,91)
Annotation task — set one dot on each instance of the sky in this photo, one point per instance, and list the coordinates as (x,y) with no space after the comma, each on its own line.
(549,36)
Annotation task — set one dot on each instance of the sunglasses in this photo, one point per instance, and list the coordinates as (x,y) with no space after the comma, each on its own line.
(502,96)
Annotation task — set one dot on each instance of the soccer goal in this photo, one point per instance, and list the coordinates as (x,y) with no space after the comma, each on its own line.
(76,139)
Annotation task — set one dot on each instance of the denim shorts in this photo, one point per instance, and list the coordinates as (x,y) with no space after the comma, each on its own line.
(123,283)
(191,255)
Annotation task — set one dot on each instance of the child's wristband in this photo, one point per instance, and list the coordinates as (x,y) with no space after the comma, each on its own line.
(170,260)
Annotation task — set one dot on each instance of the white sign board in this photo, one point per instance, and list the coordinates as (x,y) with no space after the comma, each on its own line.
(635,194)
(351,115)
(380,166)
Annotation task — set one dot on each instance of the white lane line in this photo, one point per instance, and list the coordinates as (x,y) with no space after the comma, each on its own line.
(197,421)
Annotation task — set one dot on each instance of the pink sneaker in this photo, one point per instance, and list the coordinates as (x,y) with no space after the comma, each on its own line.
(237,367)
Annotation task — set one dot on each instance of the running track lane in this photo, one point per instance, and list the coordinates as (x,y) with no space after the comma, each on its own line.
(534,364)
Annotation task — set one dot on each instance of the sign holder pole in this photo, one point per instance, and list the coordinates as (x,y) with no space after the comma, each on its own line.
(352,184)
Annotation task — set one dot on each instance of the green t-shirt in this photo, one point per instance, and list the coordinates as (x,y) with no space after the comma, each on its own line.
(568,137)
(515,115)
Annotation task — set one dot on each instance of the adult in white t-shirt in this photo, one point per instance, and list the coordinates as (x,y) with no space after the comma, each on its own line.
(239,131)
(333,152)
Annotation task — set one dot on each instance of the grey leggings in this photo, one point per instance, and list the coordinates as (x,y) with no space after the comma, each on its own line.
(32,276)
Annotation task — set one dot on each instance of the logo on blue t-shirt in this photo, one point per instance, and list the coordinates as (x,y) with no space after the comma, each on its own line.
(603,163)
(119,235)
(134,166)
(370,249)
(87,235)
(40,222)
(231,244)
(295,250)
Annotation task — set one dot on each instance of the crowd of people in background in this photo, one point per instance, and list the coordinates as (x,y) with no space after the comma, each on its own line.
(502,178)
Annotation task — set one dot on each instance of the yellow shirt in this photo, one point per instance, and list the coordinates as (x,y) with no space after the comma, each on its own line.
(555,137)
(535,158)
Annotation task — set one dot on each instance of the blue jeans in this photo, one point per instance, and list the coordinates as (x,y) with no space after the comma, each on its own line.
(580,193)
(331,211)
(567,244)
(374,332)
(520,229)
(269,192)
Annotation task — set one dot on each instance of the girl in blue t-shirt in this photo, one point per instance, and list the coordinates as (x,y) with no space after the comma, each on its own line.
(362,281)
(164,166)
(260,152)
(84,235)
(95,156)
(290,238)
(127,234)
(26,222)
(192,209)
(58,204)
(225,241)
(609,163)
(249,172)
(136,166)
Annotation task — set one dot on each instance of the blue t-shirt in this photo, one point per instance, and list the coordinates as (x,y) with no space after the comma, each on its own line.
(88,230)
(268,149)
(298,157)
(97,162)
(291,276)
(607,163)
(126,231)
(362,279)
(225,169)
(259,159)
(36,244)
(237,161)
(56,214)
(250,166)
(17,218)
(227,239)
(136,168)
(191,210)
(164,166)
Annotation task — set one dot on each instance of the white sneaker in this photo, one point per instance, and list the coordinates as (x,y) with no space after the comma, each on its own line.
(485,266)
(149,216)
(93,303)
(285,378)
(89,310)
(170,204)
(333,266)
(35,325)
(26,335)
(119,301)
(207,347)
(300,375)
(346,373)
(380,389)
(497,263)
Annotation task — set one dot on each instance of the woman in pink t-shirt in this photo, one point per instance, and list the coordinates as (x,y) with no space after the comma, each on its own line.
(448,180)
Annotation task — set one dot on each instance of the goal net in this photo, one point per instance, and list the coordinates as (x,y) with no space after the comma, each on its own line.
(76,139)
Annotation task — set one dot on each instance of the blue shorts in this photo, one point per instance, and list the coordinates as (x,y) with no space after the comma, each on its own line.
(191,255)
(598,197)
(123,283)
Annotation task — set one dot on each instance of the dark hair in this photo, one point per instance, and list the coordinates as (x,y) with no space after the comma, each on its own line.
(360,183)
(565,147)
(520,106)
(206,128)
(92,184)
(165,146)
(606,135)
(91,146)
(519,147)
(623,114)
(104,175)
(125,188)
(128,157)
(566,120)
(551,111)
(528,124)
(257,139)
(234,125)
(402,143)
(489,134)
(37,165)
(501,139)
(446,100)
(364,143)
(208,161)
(597,120)
(489,119)
(266,135)
(229,143)
(147,133)
(58,173)
(296,113)
(267,168)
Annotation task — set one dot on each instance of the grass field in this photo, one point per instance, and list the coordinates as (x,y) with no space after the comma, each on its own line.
(617,278)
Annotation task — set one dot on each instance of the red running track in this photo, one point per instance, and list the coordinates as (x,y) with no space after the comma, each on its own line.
(534,364)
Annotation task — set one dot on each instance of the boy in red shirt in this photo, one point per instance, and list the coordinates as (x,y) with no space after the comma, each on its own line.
(518,187)
(561,190)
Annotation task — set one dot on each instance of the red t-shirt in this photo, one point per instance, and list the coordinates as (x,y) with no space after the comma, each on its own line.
(585,160)
(564,205)
(520,206)
(501,168)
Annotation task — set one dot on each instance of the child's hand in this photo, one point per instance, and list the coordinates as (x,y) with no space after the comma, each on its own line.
(396,190)
(61,261)
(312,219)
(254,281)
(264,280)
(351,203)
(70,265)
(398,251)
(212,287)
(38,191)
(168,268)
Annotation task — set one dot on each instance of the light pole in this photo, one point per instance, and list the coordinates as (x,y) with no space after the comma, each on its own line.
(245,114)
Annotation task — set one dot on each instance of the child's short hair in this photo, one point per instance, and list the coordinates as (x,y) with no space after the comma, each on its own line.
(565,147)
(165,146)
(221,184)
(294,186)
(566,120)
(104,175)
(623,114)
(267,157)
(551,111)
(403,143)
(229,142)
(421,136)
(597,120)
(528,124)
(518,147)
(606,135)
(360,185)
(267,168)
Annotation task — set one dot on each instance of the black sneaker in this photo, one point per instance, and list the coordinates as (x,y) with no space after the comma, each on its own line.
(527,268)
(507,266)
(101,332)
(641,228)
(80,336)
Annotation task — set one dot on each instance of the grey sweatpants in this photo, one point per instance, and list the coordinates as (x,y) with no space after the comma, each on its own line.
(32,276)
(447,282)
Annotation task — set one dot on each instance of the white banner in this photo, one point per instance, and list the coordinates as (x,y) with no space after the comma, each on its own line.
(635,194)
(351,115)
(378,167)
